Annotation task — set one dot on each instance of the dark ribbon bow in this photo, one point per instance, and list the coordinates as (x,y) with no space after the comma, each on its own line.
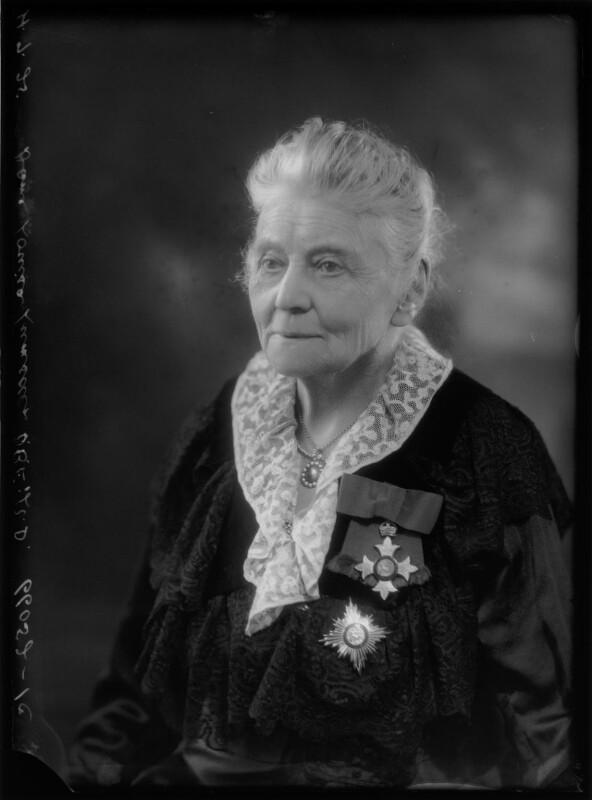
(412,509)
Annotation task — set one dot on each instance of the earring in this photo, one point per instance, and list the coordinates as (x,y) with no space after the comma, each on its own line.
(408,311)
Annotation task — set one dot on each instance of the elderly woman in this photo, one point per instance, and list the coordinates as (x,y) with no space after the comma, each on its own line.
(354,575)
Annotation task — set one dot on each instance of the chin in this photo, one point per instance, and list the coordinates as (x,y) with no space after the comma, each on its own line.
(294,364)
(292,368)
(304,368)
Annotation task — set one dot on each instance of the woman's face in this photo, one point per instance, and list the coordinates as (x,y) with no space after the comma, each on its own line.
(322,291)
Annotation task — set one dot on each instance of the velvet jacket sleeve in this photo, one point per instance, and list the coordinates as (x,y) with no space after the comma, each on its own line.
(125,733)
(524,634)
(507,514)
(520,729)
(524,611)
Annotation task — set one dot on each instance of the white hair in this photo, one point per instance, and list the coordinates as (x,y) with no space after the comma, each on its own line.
(361,170)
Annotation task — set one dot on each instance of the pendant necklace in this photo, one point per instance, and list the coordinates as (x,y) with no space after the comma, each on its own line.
(316,462)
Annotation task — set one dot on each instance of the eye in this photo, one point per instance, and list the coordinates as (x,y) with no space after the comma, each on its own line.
(270,264)
(329,267)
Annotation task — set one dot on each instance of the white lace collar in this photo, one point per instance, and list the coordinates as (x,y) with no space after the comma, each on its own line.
(287,554)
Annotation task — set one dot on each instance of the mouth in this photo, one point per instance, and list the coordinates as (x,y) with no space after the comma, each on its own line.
(286,335)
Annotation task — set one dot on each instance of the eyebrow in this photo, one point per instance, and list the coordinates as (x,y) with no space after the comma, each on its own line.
(270,244)
(330,248)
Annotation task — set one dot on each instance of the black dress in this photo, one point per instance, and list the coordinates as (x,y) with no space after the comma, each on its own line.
(471,685)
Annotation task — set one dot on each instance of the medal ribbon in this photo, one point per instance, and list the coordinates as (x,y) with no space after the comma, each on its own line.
(412,509)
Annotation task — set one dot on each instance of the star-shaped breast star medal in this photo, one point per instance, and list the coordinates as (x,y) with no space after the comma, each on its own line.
(385,568)
(354,635)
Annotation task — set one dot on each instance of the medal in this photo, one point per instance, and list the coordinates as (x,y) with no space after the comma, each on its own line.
(391,520)
(354,635)
(385,568)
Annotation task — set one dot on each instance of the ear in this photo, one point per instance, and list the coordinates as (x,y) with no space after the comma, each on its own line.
(414,298)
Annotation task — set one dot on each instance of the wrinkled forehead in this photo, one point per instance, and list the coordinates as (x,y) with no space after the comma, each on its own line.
(296,219)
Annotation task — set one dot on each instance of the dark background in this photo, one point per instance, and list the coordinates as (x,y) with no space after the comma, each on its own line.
(141,132)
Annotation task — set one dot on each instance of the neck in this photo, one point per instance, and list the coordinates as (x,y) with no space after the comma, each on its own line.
(329,403)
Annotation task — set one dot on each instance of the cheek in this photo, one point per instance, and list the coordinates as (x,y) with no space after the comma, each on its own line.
(363,334)
(351,316)
(258,307)
(362,323)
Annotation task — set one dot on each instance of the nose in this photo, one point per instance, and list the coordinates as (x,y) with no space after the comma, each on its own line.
(293,290)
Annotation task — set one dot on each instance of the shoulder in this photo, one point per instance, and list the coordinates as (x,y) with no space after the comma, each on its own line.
(465,409)
(473,399)
(477,422)
(202,444)
(491,453)
(197,479)
(500,430)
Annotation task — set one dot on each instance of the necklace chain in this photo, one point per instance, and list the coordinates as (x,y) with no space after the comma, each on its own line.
(304,453)
(316,461)
(316,448)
